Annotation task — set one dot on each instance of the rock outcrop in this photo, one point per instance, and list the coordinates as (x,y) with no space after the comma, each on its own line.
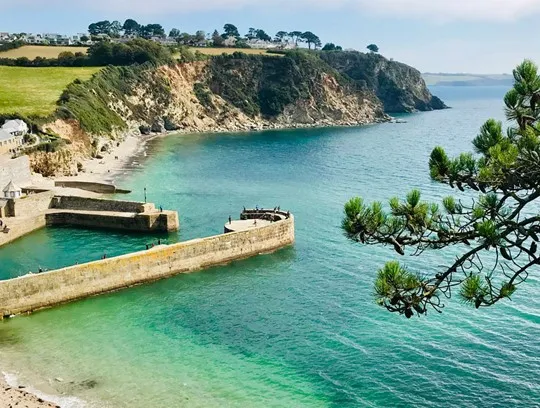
(399,87)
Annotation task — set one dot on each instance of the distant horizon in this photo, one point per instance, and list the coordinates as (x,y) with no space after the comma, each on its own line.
(465,73)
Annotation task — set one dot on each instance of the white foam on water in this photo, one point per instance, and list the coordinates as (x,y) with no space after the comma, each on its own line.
(63,401)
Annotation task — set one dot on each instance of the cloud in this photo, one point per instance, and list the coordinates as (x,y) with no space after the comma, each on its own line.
(451,10)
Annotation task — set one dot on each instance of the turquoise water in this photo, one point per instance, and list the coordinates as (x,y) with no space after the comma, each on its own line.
(297,328)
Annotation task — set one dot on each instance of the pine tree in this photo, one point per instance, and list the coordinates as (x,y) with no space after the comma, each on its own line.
(498,230)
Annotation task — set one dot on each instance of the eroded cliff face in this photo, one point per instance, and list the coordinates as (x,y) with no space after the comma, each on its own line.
(399,87)
(243,95)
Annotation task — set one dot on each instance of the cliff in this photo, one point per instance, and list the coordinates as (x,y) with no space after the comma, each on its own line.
(229,92)
(235,92)
(399,87)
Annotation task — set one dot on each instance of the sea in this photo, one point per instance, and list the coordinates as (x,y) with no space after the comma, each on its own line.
(296,328)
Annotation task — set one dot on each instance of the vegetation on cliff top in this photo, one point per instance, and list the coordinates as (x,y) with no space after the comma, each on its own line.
(89,102)
(137,51)
(265,85)
(400,87)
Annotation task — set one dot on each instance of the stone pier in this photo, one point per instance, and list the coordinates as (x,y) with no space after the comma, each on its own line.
(37,291)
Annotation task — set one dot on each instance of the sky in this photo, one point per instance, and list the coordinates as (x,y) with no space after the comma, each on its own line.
(474,36)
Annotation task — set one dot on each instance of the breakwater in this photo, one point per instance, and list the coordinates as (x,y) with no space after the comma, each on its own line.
(34,292)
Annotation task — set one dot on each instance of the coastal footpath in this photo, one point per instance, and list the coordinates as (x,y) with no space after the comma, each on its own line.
(258,232)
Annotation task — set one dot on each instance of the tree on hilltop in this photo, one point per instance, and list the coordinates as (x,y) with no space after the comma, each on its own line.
(101,27)
(230,30)
(261,35)
(373,48)
(251,34)
(496,232)
(296,37)
(174,33)
(217,39)
(115,29)
(131,27)
(281,36)
(200,36)
(311,39)
(257,33)
(152,30)
(331,47)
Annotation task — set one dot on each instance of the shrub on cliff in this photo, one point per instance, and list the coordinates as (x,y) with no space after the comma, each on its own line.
(137,51)
(91,102)
(204,95)
(266,85)
(399,86)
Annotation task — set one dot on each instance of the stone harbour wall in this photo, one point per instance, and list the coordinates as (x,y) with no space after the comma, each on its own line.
(33,292)
(20,229)
(20,215)
(98,204)
(147,222)
(31,205)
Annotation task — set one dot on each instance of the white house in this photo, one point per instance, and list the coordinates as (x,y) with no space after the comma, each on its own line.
(9,142)
(15,127)
(12,191)
(270,45)
(165,41)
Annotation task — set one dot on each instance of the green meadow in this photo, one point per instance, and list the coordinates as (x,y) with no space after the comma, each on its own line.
(34,91)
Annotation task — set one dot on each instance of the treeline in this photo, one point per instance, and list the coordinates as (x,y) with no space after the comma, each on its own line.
(11,45)
(230,31)
(131,28)
(137,51)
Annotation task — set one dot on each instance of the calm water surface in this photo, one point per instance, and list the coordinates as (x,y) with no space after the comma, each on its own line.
(297,328)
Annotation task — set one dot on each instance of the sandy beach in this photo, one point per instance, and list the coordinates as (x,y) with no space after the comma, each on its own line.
(113,163)
(16,397)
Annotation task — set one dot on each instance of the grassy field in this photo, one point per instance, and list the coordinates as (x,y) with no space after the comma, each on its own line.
(219,51)
(33,51)
(34,91)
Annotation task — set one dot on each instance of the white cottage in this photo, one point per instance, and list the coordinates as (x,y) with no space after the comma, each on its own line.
(12,191)
(9,142)
(16,127)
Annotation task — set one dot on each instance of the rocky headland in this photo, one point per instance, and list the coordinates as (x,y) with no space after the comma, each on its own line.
(236,92)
